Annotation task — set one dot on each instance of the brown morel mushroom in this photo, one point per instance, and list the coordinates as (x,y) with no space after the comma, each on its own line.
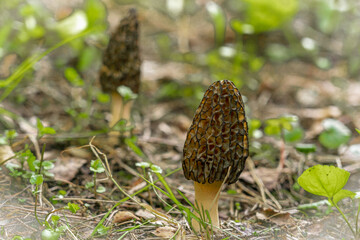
(216,146)
(121,66)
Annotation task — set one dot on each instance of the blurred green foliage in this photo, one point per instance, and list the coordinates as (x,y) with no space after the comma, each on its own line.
(31,28)
(264,15)
(335,134)
(238,52)
(286,127)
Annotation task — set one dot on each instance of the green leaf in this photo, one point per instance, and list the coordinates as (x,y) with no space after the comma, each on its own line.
(231,191)
(39,124)
(323,180)
(55,219)
(10,134)
(100,189)
(43,130)
(47,165)
(266,15)
(155,168)
(142,164)
(102,230)
(126,93)
(241,28)
(89,185)
(96,166)
(73,77)
(72,207)
(130,142)
(103,97)
(36,179)
(305,148)
(48,130)
(95,12)
(49,174)
(87,58)
(49,234)
(343,193)
(357,130)
(272,127)
(335,134)
(294,135)
(30,159)
(72,25)
(254,124)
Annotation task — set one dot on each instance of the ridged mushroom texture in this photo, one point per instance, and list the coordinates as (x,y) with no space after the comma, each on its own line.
(216,146)
(121,65)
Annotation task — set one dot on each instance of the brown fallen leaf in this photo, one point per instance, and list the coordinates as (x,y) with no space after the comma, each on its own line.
(165,232)
(5,153)
(67,167)
(277,217)
(144,214)
(123,216)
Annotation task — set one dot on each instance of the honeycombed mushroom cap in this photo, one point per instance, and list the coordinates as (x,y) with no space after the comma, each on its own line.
(121,60)
(218,136)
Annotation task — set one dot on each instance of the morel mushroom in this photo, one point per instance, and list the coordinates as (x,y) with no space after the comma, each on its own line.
(121,66)
(216,146)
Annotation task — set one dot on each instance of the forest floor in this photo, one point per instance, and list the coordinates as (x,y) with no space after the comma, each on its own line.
(263,204)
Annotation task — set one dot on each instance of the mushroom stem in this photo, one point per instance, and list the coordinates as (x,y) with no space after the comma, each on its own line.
(207,198)
(119,109)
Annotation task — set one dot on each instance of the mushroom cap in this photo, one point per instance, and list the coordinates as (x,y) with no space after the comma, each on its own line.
(218,136)
(121,60)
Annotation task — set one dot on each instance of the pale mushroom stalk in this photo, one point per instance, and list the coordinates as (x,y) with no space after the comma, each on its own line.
(216,147)
(207,197)
(121,66)
(120,109)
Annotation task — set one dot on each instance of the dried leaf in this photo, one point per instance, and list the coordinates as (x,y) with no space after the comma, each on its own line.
(123,216)
(144,214)
(277,217)
(165,232)
(5,152)
(67,167)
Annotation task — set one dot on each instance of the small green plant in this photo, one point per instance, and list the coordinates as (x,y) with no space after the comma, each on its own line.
(263,16)
(53,231)
(8,137)
(287,127)
(328,181)
(335,134)
(254,128)
(96,167)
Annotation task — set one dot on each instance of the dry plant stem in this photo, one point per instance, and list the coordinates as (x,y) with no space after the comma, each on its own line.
(103,159)
(282,155)
(207,198)
(119,109)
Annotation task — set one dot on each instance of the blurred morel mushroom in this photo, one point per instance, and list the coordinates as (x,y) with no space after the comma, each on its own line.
(216,146)
(121,66)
